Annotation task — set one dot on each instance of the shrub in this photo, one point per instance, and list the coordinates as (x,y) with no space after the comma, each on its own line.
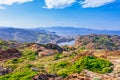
(1,42)
(5,47)
(57,57)
(62,64)
(93,64)
(106,69)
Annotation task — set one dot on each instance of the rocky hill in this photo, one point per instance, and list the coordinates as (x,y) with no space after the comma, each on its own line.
(102,41)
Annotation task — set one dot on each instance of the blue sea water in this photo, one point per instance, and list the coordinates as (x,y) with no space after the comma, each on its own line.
(70,43)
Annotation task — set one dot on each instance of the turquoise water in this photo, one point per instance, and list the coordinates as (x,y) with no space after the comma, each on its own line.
(67,43)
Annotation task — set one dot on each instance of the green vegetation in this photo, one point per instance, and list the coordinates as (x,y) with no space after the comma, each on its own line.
(64,68)
(4,47)
(29,54)
(21,66)
(57,57)
(21,73)
(97,78)
(93,64)
(1,42)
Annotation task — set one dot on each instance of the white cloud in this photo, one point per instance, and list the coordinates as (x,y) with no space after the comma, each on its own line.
(57,4)
(95,3)
(10,2)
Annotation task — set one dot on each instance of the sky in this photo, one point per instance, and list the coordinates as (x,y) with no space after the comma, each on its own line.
(94,14)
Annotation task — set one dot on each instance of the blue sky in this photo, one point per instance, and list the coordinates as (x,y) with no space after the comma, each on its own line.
(95,14)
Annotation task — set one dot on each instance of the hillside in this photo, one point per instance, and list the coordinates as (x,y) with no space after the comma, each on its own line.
(30,35)
(73,31)
(102,41)
(33,61)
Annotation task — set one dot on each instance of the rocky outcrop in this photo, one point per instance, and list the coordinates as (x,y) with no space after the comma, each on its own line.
(9,44)
(94,41)
(46,50)
(4,71)
(47,77)
(76,77)
(54,77)
(41,77)
(54,47)
(116,67)
(9,54)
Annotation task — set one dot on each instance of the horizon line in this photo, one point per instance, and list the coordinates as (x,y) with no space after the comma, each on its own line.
(56,27)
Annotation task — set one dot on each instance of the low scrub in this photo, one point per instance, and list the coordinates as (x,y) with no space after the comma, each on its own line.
(90,63)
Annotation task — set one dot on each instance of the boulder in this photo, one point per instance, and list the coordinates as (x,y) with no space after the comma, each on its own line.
(44,77)
(76,77)
(46,49)
(4,71)
(54,47)
(47,52)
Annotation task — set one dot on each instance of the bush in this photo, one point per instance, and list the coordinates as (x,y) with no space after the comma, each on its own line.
(5,47)
(93,64)
(24,73)
(57,57)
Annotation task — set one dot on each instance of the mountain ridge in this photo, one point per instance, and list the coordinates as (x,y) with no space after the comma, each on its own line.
(73,31)
(30,35)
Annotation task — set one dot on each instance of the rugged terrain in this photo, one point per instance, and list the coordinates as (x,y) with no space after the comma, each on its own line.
(94,41)
(33,61)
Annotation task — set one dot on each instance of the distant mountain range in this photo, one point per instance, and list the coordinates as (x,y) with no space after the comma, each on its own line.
(48,34)
(30,35)
(73,31)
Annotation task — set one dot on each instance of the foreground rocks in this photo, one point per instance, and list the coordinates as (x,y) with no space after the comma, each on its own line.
(54,77)
(76,77)
(4,71)
(47,77)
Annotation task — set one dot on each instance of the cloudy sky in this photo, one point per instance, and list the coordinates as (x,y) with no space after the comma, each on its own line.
(96,14)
